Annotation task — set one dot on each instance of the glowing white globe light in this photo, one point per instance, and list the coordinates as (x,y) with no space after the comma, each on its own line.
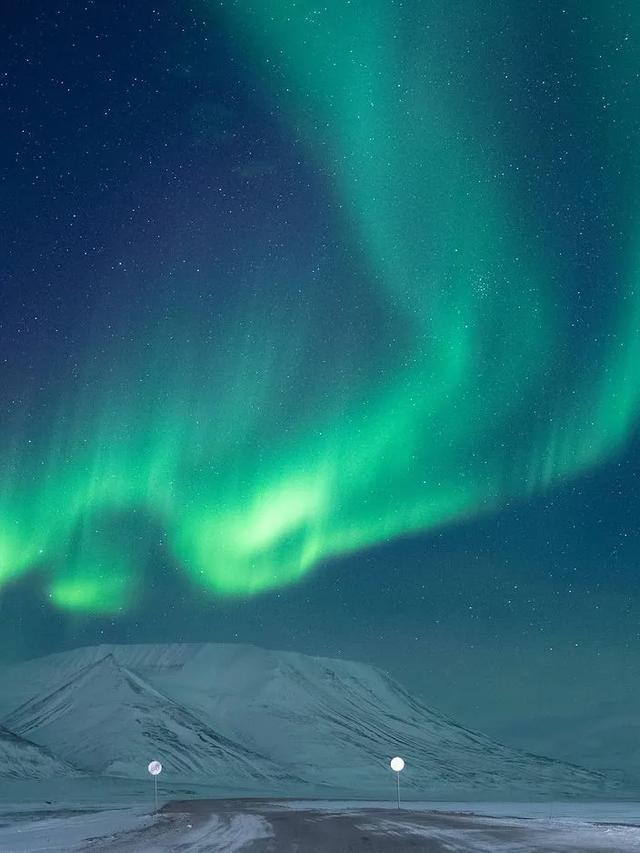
(155,768)
(397,764)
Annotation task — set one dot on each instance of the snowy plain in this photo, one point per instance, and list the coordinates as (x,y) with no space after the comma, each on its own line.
(232,826)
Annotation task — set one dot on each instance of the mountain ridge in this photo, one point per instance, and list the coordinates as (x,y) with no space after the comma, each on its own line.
(261,720)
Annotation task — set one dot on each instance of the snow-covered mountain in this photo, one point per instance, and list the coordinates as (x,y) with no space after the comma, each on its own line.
(107,720)
(21,759)
(259,720)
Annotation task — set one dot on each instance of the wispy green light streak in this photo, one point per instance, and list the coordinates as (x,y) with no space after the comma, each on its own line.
(473,406)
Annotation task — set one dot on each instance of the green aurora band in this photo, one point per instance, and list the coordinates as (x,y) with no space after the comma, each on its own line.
(260,456)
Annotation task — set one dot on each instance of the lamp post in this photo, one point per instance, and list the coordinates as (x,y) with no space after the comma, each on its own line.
(155,769)
(397,765)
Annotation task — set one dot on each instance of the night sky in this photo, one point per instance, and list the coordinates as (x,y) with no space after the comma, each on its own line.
(320,330)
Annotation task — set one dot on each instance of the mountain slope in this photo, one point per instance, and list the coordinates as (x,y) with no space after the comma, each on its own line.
(107,720)
(21,759)
(337,723)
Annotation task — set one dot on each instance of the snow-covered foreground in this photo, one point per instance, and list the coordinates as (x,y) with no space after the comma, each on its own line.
(232,826)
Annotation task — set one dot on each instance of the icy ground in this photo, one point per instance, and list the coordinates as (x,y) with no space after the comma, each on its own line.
(268,826)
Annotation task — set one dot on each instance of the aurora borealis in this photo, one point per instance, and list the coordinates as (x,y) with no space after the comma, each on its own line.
(455,399)
(288,287)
